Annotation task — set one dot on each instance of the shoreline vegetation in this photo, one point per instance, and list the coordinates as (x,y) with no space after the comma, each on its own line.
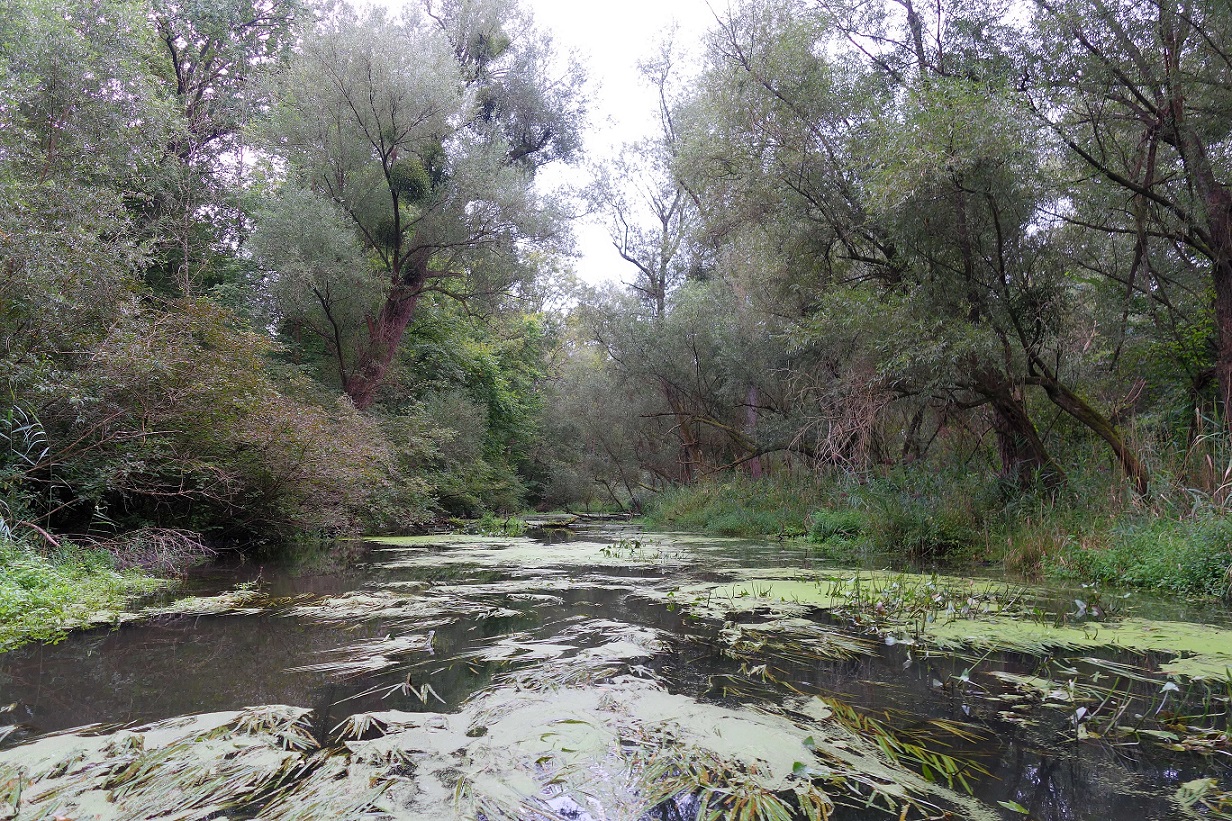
(913,516)
(43,596)
(901,519)
(909,301)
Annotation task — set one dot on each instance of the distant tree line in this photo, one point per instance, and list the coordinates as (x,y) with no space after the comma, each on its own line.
(987,236)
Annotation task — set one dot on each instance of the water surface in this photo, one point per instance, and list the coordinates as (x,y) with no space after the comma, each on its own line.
(468,615)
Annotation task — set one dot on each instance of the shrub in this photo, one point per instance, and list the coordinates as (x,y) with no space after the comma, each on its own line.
(924,515)
(179,419)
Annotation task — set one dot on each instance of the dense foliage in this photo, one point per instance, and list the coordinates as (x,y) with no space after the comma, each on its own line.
(984,238)
(271,266)
(221,218)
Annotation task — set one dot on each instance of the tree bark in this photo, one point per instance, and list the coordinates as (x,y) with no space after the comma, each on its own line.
(750,428)
(690,447)
(1079,409)
(1024,459)
(385,333)
(1218,202)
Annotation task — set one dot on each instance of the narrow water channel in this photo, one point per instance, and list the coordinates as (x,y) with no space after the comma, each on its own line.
(428,625)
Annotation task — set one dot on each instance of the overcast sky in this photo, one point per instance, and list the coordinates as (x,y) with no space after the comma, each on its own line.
(612,38)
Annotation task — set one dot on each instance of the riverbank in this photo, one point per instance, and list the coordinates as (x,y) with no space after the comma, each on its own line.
(914,516)
(45,594)
(462,675)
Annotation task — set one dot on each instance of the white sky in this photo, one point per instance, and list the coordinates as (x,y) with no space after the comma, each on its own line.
(612,38)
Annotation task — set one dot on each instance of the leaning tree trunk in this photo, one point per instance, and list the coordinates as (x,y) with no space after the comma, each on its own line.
(1220,215)
(1216,202)
(386,329)
(1213,194)
(1024,459)
(1101,426)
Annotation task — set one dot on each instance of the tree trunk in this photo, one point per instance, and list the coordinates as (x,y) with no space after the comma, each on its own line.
(385,333)
(689,446)
(1216,200)
(1214,196)
(1077,407)
(1219,214)
(386,330)
(750,428)
(1024,459)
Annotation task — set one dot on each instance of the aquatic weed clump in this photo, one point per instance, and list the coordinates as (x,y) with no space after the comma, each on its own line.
(193,767)
(630,746)
(42,596)
(587,731)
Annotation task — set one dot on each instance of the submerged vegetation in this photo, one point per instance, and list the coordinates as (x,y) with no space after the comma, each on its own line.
(906,286)
(627,746)
(505,678)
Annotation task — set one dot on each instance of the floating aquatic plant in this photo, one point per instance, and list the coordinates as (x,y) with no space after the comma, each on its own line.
(626,746)
(190,768)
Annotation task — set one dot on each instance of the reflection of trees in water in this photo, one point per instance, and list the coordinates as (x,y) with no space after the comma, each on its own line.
(172,666)
(1064,787)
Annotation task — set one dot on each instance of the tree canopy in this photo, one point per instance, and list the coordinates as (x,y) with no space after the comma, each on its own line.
(275,264)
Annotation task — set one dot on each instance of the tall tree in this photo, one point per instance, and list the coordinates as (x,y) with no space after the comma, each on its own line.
(1141,93)
(211,59)
(650,214)
(882,145)
(421,135)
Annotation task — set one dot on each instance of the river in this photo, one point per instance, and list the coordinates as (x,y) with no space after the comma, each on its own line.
(685,655)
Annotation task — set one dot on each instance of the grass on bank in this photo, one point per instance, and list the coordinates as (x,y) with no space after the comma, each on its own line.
(960,518)
(737,506)
(42,596)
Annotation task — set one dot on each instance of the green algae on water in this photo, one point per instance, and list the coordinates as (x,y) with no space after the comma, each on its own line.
(952,613)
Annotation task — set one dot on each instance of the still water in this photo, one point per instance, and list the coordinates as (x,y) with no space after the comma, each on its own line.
(425,626)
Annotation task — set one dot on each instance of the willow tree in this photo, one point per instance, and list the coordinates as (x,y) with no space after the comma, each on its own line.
(883,149)
(209,60)
(412,145)
(1141,93)
(857,138)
